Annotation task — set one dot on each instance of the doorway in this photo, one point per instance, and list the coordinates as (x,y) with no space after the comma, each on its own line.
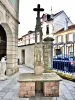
(23,56)
(3,42)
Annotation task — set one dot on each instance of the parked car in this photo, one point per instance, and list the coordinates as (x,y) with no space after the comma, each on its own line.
(64,63)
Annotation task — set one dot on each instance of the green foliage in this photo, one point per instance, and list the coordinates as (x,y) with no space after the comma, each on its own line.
(64,75)
(67,77)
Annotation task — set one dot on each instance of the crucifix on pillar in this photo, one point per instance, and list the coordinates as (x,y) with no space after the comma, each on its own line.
(38,23)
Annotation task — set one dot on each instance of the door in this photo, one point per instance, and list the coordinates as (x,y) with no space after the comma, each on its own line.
(23,56)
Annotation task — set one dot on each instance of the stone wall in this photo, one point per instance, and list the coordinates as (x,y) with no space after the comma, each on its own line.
(27,89)
(9,21)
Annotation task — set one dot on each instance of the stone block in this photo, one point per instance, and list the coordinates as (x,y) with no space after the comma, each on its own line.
(27,89)
(57,83)
(52,83)
(22,84)
(38,69)
(22,94)
(33,88)
(31,93)
(51,89)
(22,88)
(16,69)
(9,72)
(30,83)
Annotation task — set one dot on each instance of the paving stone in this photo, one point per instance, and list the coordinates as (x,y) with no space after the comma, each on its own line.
(66,90)
(8,95)
(2,94)
(6,89)
(71,88)
(68,96)
(60,98)
(12,90)
(0,97)
(15,98)
(53,98)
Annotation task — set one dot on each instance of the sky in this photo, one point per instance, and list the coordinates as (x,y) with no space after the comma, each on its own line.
(27,16)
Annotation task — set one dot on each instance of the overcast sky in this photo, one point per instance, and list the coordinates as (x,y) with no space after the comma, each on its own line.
(27,16)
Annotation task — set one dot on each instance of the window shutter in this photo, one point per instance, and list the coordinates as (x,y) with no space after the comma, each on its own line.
(57,39)
(66,37)
(61,38)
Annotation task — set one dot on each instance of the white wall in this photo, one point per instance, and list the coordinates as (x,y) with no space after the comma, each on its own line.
(60,22)
(29,55)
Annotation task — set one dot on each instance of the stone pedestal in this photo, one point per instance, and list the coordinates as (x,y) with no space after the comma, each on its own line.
(48,53)
(47,83)
(38,59)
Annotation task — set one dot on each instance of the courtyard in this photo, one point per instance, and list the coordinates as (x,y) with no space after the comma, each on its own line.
(9,89)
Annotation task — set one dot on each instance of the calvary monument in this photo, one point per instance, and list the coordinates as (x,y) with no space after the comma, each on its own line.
(47,83)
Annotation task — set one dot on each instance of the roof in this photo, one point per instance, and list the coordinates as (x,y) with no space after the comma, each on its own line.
(19,38)
(58,13)
(69,27)
(54,15)
(29,32)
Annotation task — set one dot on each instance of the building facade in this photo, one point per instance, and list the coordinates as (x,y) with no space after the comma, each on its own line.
(65,41)
(9,12)
(54,23)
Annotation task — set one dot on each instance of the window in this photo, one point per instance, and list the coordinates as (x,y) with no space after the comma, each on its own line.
(70,51)
(69,37)
(56,39)
(47,29)
(60,39)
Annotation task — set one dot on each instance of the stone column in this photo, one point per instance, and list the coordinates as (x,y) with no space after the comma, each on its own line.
(48,53)
(38,59)
(38,64)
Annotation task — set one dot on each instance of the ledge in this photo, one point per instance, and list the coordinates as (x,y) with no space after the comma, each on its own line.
(45,77)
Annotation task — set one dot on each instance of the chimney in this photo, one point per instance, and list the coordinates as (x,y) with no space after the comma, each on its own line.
(66,24)
(51,13)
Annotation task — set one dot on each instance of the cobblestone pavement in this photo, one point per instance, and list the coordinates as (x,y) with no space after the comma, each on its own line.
(9,89)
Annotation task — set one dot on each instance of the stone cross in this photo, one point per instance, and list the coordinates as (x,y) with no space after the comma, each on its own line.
(38,23)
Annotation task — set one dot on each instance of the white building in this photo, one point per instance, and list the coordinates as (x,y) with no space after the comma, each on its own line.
(55,22)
